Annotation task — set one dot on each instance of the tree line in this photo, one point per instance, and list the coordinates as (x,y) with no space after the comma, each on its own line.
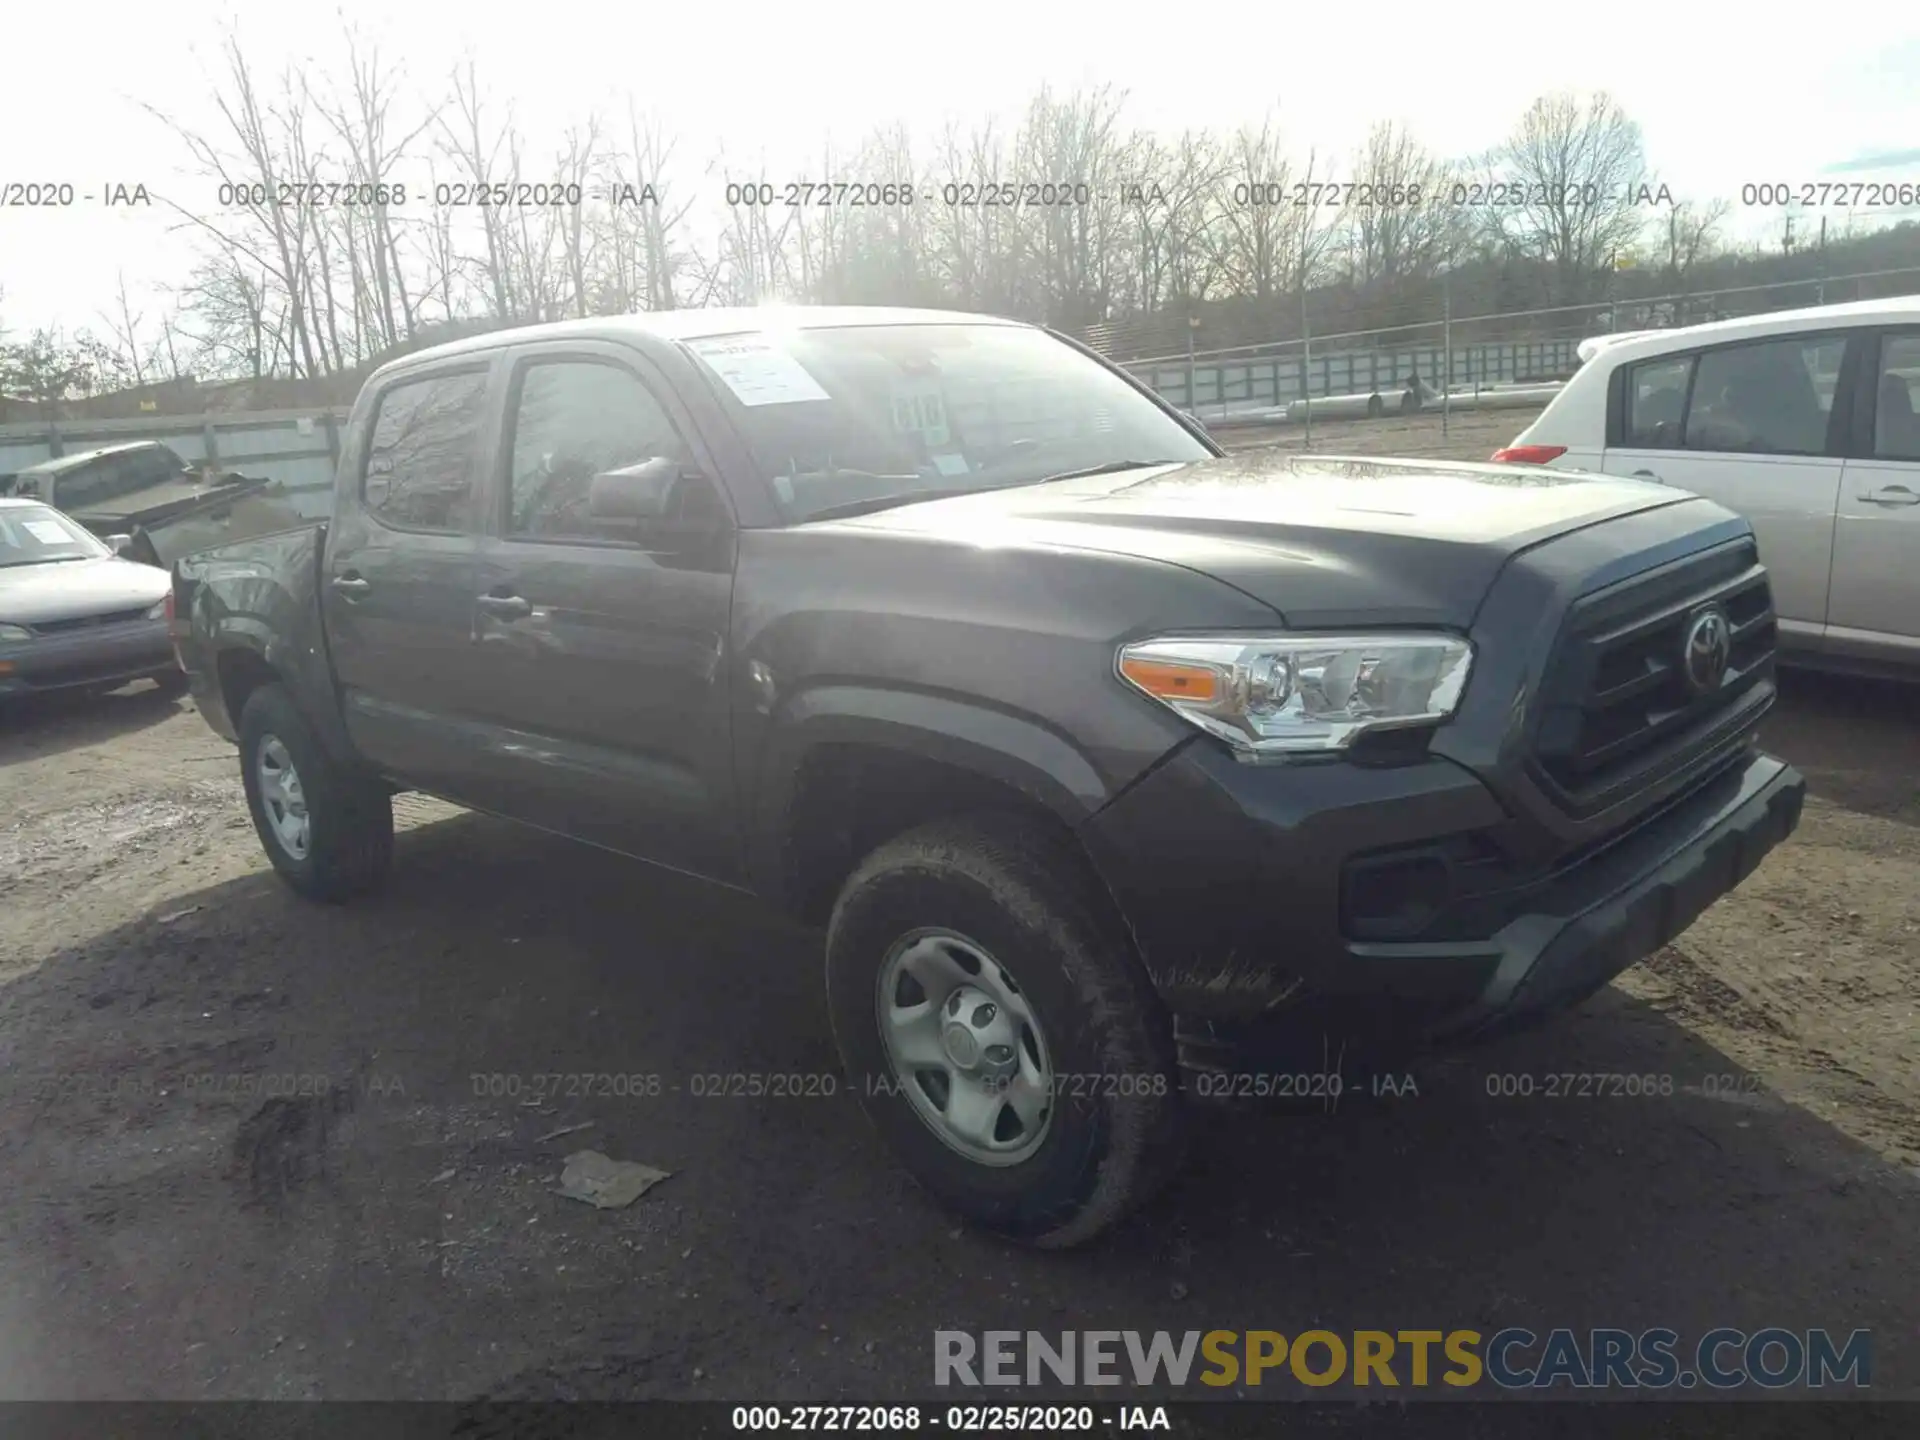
(357,215)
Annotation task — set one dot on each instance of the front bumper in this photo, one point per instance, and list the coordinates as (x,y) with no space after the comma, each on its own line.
(1231,879)
(96,656)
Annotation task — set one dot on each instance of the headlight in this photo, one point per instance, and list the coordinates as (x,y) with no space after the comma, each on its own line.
(1290,694)
(15,632)
(158,610)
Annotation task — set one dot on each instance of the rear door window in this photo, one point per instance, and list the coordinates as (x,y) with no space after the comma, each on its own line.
(424,450)
(1771,398)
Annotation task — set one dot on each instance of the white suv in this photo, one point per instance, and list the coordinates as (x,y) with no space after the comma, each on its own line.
(1804,422)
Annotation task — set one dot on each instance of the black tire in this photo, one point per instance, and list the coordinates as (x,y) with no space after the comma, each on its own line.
(1116,1128)
(1376,407)
(350,817)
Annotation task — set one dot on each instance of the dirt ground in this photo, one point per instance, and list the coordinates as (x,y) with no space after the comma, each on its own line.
(391,1228)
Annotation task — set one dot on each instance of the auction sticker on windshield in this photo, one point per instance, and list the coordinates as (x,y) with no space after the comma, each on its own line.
(47,533)
(757,372)
(920,409)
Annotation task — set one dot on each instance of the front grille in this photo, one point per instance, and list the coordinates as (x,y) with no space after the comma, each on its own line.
(1618,711)
(88,622)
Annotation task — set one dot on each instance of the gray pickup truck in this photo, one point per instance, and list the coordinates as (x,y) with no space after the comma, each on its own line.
(1115,768)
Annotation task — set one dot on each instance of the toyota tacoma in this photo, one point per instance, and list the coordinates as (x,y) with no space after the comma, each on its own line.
(1104,759)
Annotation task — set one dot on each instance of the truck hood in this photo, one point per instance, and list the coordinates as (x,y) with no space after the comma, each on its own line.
(1323,539)
(70,589)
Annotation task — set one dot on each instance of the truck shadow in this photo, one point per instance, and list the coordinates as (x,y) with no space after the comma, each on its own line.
(509,986)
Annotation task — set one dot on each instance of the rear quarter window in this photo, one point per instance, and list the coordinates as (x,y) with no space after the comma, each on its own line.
(1656,402)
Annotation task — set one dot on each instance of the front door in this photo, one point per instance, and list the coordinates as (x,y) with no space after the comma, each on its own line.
(1874,612)
(604,643)
(398,583)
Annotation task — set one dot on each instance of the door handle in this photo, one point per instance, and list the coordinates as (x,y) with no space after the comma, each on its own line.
(506,607)
(351,585)
(1648,475)
(1891,495)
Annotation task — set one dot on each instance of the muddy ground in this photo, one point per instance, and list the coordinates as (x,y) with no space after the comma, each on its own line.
(169,1230)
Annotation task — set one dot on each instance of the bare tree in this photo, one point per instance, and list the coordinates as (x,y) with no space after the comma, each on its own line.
(1175,205)
(474,149)
(124,327)
(1397,225)
(362,119)
(575,174)
(1691,234)
(249,166)
(1572,170)
(1263,227)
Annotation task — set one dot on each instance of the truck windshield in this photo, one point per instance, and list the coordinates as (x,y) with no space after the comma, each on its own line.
(35,535)
(840,416)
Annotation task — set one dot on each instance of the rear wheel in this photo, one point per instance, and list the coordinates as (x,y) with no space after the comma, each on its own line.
(328,832)
(998,1031)
(1376,407)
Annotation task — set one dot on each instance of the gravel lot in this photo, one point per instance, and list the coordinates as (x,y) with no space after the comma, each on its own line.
(165,1231)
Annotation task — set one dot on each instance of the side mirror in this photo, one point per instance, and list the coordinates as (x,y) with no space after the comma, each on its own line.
(641,493)
(121,545)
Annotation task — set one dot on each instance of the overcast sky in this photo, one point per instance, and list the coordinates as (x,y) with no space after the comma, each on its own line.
(1724,95)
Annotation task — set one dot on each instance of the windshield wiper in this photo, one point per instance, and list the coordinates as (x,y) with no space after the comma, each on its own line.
(1111,467)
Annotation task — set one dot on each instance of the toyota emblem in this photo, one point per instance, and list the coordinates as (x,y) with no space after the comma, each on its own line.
(1708,648)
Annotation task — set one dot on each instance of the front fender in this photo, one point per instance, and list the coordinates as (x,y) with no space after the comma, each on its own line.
(1014,750)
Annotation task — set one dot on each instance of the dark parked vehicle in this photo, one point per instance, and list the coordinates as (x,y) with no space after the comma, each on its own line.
(149,504)
(72,613)
(1113,766)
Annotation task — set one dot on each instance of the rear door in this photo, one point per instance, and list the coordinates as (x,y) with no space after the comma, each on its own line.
(1874,610)
(603,644)
(398,581)
(1753,426)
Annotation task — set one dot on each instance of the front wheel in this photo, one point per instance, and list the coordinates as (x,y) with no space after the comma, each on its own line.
(998,1031)
(328,832)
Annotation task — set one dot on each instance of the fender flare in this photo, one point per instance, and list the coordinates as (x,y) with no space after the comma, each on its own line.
(254,635)
(1015,750)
